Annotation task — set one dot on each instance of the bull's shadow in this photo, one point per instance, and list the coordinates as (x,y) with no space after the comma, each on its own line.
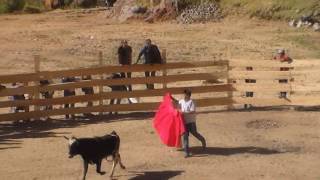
(155,175)
(222,151)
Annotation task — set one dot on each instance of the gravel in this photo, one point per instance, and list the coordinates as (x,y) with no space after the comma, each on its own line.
(201,13)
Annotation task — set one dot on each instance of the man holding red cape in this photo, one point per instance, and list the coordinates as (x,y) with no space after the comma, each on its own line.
(171,123)
(168,123)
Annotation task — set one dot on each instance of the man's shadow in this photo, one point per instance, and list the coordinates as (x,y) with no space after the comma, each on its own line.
(222,151)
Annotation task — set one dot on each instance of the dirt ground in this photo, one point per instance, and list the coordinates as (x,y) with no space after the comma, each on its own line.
(241,145)
(72,38)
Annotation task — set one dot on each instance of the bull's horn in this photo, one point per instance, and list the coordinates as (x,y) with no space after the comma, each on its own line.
(66,137)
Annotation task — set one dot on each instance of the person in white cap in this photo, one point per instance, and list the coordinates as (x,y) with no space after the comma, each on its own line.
(282,56)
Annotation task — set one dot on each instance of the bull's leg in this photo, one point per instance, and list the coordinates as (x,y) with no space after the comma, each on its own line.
(85,169)
(120,162)
(99,167)
(115,162)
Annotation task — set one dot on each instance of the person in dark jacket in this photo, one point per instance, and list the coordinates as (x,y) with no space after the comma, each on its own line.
(151,55)
(69,92)
(125,58)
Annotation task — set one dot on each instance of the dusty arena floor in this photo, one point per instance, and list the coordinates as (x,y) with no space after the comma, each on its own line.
(241,145)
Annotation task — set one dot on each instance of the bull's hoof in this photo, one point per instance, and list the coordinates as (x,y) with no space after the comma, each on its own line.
(123,167)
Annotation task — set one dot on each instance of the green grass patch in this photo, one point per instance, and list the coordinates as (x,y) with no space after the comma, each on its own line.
(9,6)
(273,9)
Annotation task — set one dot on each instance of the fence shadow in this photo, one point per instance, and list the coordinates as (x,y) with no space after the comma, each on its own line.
(221,151)
(12,133)
(155,175)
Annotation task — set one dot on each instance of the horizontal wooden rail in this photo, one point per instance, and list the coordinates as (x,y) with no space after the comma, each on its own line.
(104,70)
(262,75)
(111,82)
(109,108)
(254,87)
(114,95)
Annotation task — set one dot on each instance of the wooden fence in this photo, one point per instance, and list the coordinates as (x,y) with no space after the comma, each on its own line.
(168,76)
(241,82)
(274,83)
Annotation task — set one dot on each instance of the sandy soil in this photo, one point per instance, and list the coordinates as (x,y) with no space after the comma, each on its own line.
(71,39)
(241,145)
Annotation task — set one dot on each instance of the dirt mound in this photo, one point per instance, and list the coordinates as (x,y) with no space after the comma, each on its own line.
(263,124)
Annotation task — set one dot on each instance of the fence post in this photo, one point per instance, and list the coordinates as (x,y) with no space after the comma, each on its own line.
(37,83)
(101,77)
(164,71)
(229,81)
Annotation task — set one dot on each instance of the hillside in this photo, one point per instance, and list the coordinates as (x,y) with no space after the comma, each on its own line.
(266,9)
(273,9)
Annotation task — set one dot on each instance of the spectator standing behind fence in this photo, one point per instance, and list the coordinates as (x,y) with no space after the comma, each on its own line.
(151,55)
(69,92)
(116,88)
(125,58)
(17,97)
(88,91)
(46,94)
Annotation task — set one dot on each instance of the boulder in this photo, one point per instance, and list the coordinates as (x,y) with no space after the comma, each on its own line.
(316,27)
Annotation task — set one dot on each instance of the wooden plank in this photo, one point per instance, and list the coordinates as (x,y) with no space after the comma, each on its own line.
(36,93)
(101,77)
(261,75)
(262,101)
(164,71)
(105,70)
(254,87)
(259,63)
(305,100)
(114,95)
(110,108)
(110,82)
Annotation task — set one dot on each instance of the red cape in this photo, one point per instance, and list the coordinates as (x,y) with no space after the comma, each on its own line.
(168,123)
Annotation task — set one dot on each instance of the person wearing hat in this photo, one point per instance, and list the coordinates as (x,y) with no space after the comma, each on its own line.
(125,58)
(282,56)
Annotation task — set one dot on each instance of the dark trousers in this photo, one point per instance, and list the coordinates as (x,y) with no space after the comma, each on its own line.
(72,105)
(113,101)
(192,128)
(127,75)
(148,74)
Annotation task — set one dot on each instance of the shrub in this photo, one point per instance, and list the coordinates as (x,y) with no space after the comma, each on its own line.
(15,5)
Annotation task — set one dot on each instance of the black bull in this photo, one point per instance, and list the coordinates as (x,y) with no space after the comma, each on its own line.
(94,150)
